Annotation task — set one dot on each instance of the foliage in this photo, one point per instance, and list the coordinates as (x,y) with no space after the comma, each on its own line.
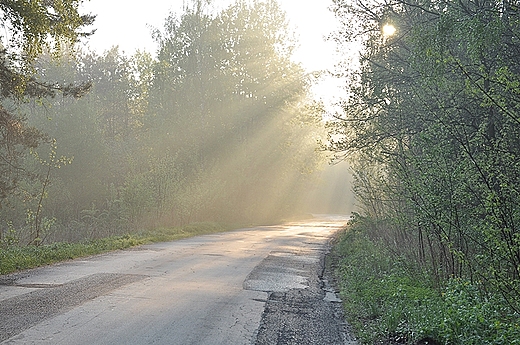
(14,258)
(387,301)
(29,24)
(228,81)
(218,127)
(29,27)
(431,126)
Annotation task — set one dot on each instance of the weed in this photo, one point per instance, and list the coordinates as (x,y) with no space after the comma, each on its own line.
(387,301)
(14,258)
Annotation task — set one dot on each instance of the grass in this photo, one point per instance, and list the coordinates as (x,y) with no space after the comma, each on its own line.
(386,301)
(16,258)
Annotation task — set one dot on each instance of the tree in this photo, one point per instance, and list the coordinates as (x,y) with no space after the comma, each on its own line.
(226,90)
(218,128)
(29,27)
(432,123)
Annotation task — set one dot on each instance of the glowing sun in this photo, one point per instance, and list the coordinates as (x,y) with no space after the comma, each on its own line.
(388,30)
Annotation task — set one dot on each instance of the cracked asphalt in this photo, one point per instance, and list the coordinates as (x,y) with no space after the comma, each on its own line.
(263,285)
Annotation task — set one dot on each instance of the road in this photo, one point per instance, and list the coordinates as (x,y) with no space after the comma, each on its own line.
(261,285)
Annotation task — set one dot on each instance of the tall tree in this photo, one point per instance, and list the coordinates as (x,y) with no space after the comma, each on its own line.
(432,123)
(226,90)
(28,28)
(218,128)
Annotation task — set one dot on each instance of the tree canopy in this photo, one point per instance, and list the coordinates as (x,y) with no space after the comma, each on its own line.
(218,126)
(29,27)
(431,125)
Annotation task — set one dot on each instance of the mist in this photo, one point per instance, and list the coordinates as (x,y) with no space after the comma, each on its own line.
(219,126)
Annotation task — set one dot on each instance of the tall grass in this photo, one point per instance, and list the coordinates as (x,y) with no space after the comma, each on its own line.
(388,301)
(14,258)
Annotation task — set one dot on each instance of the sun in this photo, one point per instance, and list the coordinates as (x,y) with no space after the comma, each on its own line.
(388,30)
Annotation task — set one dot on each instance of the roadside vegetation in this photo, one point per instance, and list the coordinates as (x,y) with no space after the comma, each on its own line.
(217,126)
(430,126)
(389,300)
(15,258)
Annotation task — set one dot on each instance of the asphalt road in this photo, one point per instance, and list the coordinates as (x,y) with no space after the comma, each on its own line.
(263,285)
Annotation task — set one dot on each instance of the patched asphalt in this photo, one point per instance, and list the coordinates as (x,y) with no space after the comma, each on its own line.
(264,285)
(302,308)
(47,300)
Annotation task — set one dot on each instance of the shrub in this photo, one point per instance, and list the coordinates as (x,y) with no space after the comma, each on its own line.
(388,301)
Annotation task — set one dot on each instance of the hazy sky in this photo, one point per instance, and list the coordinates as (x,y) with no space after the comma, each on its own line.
(127,24)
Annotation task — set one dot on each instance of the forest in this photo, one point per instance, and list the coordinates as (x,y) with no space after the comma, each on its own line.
(431,127)
(219,126)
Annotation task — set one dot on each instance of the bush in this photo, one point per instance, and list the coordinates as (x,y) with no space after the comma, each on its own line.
(388,301)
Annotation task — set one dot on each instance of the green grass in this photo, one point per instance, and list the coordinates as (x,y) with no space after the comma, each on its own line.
(386,301)
(16,258)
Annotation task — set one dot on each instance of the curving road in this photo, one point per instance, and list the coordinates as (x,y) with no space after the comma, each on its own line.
(262,285)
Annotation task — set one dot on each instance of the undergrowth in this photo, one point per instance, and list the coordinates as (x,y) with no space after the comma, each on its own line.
(14,258)
(387,301)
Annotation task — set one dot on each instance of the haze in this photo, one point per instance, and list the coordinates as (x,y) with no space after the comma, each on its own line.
(216,123)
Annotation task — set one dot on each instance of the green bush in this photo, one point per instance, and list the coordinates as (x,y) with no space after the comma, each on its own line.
(471,318)
(386,299)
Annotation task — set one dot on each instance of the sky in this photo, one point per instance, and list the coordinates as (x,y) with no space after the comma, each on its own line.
(128,24)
